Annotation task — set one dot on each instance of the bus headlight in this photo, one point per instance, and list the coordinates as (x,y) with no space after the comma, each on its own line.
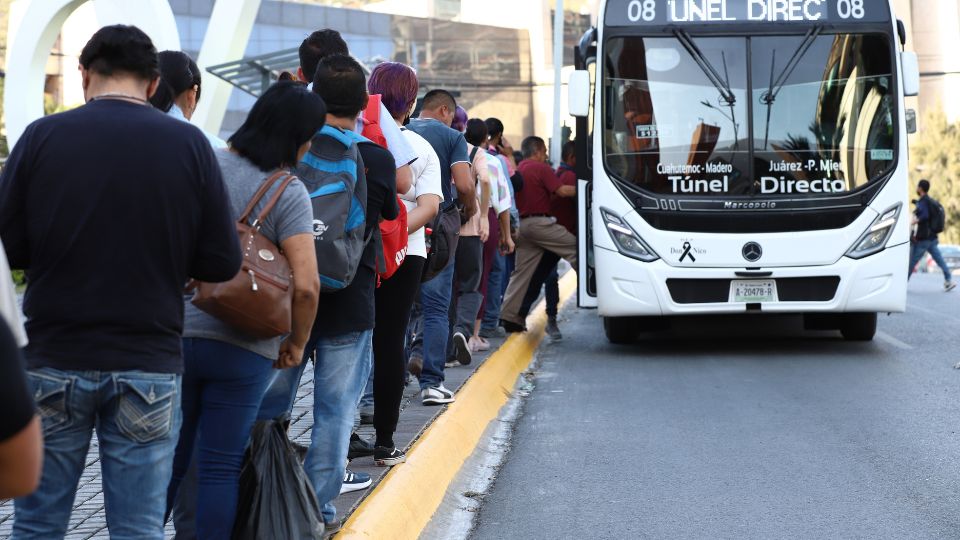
(875,238)
(627,240)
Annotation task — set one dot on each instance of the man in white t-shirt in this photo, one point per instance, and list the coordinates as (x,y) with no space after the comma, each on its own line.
(426,181)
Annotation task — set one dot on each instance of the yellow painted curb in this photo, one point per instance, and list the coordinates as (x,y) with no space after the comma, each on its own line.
(404,502)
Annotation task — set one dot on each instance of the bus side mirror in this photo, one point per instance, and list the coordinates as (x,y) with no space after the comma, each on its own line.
(578,91)
(911,73)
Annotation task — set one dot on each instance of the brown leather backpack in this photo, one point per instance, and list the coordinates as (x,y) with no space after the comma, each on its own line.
(258,300)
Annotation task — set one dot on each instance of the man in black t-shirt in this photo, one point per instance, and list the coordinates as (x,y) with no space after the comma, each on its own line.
(343,331)
(110,208)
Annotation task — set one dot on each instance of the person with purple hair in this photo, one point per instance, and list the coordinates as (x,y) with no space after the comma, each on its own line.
(460,120)
(397,85)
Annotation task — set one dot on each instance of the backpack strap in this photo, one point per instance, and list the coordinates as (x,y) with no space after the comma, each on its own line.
(261,192)
(473,154)
(371,114)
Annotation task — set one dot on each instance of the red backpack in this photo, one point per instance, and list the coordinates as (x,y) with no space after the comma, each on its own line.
(393,236)
(371,121)
(393,233)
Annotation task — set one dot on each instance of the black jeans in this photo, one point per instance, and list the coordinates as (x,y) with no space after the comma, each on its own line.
(545,276)
(394,299)
(466,298)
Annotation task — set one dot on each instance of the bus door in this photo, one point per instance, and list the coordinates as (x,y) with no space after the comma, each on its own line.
(585,61)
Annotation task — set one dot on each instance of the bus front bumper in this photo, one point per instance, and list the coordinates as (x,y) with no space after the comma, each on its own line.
(628,287)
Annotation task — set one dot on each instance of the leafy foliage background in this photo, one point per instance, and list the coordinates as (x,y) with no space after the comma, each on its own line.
(935,155)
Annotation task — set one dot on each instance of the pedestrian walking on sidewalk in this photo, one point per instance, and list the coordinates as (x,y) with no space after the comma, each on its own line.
(397,85)
(436,117)
(342,337)
(179,91)
(929,220)
(317,46)
(499,240)
(468,274)
(226,370)
(137,205)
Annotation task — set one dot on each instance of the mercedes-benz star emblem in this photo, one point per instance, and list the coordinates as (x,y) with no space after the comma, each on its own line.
(752,251)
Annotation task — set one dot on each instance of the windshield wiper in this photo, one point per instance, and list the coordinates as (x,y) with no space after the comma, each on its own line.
(770,96)
(723,86)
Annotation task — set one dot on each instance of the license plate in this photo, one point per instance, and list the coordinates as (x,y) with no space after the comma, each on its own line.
(754,291)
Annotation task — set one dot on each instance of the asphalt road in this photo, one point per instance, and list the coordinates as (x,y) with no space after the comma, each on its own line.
(741,428)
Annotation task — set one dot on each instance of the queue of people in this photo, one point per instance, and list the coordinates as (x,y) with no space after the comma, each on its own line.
(396,244)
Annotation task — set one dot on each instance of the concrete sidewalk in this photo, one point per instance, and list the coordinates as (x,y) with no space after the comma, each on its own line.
(89,521)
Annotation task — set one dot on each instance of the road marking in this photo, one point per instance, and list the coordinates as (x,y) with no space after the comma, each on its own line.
(885,337)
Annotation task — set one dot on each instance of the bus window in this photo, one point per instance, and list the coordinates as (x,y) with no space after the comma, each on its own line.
(830,123)
(679,113)
(669,128)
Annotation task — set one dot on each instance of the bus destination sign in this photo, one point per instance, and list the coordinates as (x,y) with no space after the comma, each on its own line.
(682,12)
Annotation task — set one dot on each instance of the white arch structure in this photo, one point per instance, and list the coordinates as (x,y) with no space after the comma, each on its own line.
(35,24)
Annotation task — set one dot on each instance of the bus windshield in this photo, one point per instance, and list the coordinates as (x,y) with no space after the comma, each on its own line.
(799,115)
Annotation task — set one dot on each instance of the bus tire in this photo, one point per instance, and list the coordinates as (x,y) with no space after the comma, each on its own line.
(620,330)
(859,326)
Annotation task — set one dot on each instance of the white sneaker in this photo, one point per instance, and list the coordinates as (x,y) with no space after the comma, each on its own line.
(436,395)
(478,344)
(949,286)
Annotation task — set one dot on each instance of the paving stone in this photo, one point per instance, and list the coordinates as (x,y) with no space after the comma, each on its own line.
(88,520)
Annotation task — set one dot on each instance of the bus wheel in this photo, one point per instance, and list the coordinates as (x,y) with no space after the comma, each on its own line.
(620,330)
(859,326)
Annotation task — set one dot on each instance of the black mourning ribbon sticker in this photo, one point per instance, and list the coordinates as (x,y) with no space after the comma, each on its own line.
(686,253)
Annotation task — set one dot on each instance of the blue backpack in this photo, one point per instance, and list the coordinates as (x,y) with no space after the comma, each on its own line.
(333,173)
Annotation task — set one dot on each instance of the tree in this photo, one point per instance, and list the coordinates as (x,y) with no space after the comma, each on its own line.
(935,155)
(4,17)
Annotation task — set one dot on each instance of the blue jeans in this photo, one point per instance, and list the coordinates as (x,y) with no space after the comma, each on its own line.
(435,298)
(491,307)
(222,388)
(366,400)
(930,245)
(340,372)
(137,418)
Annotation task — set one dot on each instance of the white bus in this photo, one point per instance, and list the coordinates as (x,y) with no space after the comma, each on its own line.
(743,156)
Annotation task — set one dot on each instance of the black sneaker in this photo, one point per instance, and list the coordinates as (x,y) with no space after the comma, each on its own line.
(497,332)
(511,327)
(553,330)
(388,457)
(359,448)
(332,528)
(415,365)
(461,349)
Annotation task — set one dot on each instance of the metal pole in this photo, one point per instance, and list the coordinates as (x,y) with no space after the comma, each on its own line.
(556,143)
